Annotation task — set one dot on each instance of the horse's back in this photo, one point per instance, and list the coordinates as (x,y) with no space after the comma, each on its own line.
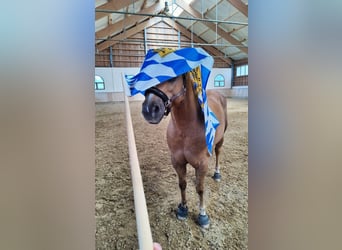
(217,97)
(218,104)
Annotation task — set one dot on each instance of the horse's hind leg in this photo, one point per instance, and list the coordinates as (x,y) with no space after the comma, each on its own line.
(182,211)
(217,175)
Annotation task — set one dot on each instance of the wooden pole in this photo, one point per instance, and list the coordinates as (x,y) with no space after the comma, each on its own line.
(142,220)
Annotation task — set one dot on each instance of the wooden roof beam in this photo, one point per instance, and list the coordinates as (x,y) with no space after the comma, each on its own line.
(129,33)
(128,21)
(211,8)
(241,6)
(112,5)
(143,6)
(212,26)
(234,54)
(197,39)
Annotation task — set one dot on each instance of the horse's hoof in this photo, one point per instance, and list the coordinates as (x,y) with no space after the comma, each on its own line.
(182,212)
(203,221)
(217,177)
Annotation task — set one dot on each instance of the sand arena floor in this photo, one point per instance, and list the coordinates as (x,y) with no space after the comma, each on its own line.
(226,201)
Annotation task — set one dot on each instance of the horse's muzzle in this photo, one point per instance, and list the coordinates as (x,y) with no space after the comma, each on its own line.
(153,109)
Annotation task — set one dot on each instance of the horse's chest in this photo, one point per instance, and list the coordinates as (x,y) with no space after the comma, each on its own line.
(187,144)
(187,138)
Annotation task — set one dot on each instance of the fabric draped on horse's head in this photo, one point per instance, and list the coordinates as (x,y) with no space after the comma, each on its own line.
(197,82)
(161,65)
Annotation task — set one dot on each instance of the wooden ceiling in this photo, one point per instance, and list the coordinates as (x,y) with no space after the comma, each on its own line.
(219,26)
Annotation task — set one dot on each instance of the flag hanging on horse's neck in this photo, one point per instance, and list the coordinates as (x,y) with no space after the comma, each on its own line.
(163,64)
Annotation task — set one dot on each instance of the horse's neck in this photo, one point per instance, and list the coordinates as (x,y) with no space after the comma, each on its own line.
(188,110)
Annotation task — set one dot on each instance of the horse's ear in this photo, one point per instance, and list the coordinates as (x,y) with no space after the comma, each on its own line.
(187,78)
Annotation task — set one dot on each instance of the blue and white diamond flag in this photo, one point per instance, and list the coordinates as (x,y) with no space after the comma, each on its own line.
(163,64)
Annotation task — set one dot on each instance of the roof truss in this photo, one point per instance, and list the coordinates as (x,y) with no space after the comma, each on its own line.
(241,6)
(149,16)
(213,27)
(112,5)
(128,21)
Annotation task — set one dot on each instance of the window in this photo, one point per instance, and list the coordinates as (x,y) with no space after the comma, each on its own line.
(99,83)
(242,70)
(219,81)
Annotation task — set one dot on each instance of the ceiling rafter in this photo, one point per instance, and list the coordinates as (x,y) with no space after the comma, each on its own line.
(206,12)
(128,21)
(241,61)
(212,26)
(129,32)
(211,8)
(226,19)
(241,6)
(112,5)
(120,26)
(235,53)
(215,40)
(197,39)
(203,31)
(143,6)
(234,29)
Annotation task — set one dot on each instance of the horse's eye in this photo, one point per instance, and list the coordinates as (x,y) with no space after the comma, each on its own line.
(172,79)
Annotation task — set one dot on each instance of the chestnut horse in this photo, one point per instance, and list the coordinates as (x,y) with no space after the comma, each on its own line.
(186,132)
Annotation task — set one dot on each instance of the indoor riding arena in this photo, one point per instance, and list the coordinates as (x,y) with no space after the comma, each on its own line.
(125,32)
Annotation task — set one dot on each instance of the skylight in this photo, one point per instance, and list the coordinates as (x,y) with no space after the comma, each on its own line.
(175,10)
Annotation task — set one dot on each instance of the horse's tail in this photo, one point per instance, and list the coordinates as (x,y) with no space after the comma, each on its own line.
(224,105)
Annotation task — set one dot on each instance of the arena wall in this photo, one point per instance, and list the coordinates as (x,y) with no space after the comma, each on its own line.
(114,91)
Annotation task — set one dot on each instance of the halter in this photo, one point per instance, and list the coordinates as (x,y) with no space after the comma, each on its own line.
(166,100)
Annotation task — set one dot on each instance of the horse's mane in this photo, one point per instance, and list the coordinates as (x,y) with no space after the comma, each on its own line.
(189,86)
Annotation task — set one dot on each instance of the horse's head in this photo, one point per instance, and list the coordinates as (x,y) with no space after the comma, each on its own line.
(159,99)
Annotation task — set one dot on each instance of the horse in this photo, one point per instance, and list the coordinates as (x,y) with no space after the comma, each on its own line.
(186,133)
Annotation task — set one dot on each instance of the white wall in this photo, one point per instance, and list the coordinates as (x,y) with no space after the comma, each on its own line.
(113,77)
(227,74)
(113,82)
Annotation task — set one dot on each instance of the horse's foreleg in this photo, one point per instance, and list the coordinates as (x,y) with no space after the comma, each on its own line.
(182,183)
(182,211)
(217,175)
(203,219)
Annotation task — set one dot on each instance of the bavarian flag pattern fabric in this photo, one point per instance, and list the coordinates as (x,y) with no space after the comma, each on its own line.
(163,64)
